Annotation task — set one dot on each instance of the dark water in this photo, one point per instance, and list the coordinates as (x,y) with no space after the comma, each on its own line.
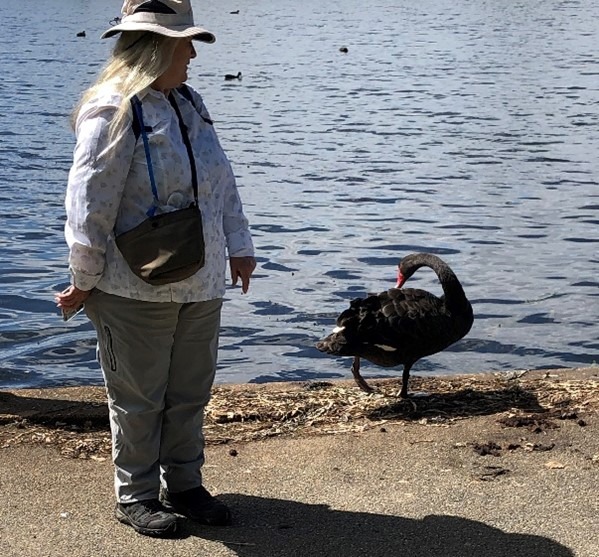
(469,129)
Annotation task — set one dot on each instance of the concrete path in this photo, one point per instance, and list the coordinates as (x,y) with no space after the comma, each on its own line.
(470,488)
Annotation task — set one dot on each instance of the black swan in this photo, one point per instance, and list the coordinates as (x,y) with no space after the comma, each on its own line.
(402,325)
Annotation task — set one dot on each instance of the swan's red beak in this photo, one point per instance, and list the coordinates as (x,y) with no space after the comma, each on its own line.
(400,279)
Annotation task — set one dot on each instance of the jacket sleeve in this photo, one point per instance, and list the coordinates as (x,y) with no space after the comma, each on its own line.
(235,224)
(94,190)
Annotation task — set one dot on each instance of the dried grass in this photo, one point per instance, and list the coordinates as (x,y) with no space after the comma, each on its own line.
(75,420)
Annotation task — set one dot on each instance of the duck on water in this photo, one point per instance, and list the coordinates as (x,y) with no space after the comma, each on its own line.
(402,325)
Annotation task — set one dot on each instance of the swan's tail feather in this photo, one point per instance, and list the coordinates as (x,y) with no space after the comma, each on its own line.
(335,343)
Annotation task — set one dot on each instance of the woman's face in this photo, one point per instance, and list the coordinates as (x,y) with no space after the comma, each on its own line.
(176,74)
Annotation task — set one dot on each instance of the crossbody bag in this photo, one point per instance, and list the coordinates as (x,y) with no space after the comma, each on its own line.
(168,247)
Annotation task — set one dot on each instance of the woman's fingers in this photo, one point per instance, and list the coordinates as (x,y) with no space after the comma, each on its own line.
(71,297)
(242,267)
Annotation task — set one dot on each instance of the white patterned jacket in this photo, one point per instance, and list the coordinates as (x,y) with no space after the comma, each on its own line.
(109,192)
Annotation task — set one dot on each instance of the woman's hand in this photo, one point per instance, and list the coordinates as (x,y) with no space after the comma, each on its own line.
(242,267)
(71,298)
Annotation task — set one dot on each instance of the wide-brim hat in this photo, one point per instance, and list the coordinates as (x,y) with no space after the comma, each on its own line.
(172,18)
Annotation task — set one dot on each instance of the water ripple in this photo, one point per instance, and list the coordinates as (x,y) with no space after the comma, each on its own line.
(465,130)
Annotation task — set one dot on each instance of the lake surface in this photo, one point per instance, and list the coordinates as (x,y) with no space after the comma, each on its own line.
(465,128)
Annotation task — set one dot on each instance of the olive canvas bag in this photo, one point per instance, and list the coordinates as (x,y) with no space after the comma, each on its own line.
(168,247)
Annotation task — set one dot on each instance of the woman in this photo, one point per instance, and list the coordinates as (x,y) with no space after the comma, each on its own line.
(157,344)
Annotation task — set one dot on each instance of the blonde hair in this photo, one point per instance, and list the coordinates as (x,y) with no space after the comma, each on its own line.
(138,59)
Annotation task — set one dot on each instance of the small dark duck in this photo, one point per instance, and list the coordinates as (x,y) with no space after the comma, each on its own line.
(231,77)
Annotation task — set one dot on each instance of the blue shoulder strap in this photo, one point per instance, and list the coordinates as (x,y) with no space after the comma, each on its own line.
(140,129)
(138,114)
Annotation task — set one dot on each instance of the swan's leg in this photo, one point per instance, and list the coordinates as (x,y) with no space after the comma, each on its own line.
(355,369)
(404,380)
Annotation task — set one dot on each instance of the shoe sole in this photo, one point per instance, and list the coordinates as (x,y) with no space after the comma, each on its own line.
(153,532)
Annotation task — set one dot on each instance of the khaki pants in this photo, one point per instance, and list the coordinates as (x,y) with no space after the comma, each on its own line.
(158,362)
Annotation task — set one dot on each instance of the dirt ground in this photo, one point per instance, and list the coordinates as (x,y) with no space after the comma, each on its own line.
(75,419)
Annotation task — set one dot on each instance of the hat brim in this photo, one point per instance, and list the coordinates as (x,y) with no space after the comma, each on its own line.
(176,31)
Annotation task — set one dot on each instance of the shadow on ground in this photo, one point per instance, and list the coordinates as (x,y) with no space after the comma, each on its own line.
(276,528)
(460,404)
(53,412)
(93,414)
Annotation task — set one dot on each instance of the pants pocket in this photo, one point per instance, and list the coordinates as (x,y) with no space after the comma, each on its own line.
(106,352)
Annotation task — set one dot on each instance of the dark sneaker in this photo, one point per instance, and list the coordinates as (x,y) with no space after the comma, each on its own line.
(149,518)
(198,505)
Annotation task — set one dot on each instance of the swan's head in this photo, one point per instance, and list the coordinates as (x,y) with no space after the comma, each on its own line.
(411,263)
(408,266)
(405,270)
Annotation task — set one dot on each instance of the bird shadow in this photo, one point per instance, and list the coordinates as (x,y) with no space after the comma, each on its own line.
(267,527)
(459,404)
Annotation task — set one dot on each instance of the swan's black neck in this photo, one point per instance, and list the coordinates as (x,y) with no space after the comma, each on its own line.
(452,288)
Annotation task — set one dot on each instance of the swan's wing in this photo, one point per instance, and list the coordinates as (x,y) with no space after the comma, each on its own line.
(391,318)
(410,313)
(423,320)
